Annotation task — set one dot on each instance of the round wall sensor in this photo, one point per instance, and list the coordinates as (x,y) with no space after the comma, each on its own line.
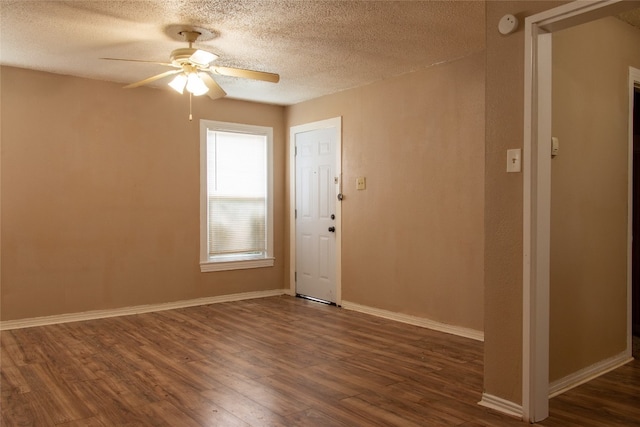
(508,24)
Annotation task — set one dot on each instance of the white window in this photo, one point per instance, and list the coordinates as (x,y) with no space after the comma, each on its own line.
(236,221)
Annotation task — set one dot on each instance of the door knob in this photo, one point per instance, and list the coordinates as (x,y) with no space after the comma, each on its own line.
(332,229)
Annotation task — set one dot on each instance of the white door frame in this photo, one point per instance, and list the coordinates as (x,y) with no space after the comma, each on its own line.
(634,82)
(537,192)
(336,123)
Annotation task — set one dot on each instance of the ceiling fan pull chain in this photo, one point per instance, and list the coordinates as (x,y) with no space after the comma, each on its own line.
(190,115)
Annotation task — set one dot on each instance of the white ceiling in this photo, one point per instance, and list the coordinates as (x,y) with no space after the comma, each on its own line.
(317,47)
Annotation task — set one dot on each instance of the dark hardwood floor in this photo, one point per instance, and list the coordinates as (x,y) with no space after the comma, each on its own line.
(268,362)
(612,400)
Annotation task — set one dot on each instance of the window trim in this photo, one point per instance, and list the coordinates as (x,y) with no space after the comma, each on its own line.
(208,264)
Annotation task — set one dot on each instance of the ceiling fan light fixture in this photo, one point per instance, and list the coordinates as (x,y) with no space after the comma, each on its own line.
(195,85)
(178,83)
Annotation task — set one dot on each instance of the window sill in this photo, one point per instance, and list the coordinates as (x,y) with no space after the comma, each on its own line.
(208,266)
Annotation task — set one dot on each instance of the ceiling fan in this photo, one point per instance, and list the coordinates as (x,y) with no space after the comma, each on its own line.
(193,70)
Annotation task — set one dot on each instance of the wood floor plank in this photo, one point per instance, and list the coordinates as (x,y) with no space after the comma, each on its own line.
(265,395)
(411,411)
(244,408)
(471,410)
(21,410)
(109,405)
(308,393)
(5,356)
(212,416)
(127,387)
(87,422)
(377,415)
(12,381)
(349,416)
(314,418)
(322,375)
(176,390)
(164,414)
(52,392)
(414,391)
(277,361)
(22,354)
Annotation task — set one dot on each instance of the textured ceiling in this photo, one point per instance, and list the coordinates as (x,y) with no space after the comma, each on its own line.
(631,17)
(317,47)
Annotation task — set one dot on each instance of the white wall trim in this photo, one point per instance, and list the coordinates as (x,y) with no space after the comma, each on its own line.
(579,12)
(335,122)
(127,311)
(244,264)
(634,81)
(536,223)
(501,405)
(587,374)
(416,321)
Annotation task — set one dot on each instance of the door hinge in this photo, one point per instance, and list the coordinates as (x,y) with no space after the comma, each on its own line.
(295,276)
(295,150)
(295,215)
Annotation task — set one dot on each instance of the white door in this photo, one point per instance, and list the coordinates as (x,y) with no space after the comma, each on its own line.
(316,191)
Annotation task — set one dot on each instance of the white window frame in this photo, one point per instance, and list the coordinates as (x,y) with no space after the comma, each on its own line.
(208,263)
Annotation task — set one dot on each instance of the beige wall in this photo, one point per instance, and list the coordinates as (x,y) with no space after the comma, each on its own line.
(503,200)
(100,196)
(413,241)
(588,318)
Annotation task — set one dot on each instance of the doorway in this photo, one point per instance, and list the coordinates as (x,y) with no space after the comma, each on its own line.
(315,165)
(590,251)
(537,190)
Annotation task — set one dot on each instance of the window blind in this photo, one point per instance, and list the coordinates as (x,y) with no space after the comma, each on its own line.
(236,193)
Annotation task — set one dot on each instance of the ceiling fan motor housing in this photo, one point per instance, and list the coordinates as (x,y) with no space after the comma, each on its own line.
(182,56)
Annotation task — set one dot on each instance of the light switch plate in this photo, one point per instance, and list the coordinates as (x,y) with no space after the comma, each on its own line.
(514,160)
(361,183)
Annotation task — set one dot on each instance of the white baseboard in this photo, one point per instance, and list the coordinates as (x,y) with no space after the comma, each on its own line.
(414,320)
(125,311)
(587,374)
(501,405)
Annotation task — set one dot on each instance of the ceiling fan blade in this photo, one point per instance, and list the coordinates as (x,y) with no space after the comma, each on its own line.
(247,74)
(215,91)
(166,64)
(202,57)
(152,79)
